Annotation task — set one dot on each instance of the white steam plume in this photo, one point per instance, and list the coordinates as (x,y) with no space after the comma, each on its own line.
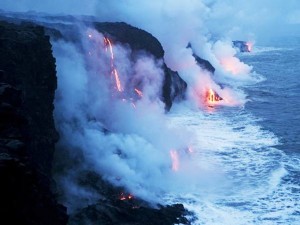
(135,153)
(127,141)
(177,23)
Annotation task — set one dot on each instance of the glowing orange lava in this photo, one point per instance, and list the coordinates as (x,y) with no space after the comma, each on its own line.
(117,79)
(124,197)
(107,42)
(140,93)
(114,71)
(175,160)
(212,97)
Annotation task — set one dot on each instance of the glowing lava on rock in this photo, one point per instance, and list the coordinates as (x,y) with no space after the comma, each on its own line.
(115,76)
(117,79)
(139,92)
(124,197)
(175,160)
(212,97)
(108,45)
(114,71)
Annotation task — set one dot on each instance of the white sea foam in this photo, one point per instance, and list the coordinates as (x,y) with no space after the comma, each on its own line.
(230,143)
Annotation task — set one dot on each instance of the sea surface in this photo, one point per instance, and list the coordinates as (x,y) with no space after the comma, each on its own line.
(252,152)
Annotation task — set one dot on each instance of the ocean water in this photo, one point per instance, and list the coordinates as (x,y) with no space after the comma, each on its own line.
(252,151)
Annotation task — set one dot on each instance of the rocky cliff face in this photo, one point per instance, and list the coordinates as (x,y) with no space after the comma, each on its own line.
(27,132)
(28,135)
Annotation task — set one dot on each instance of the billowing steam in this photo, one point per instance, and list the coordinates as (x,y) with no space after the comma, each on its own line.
(121,134)
(108,109)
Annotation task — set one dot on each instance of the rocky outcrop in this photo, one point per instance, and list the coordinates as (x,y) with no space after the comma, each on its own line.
(115,207)
(242,46)
(126,213)
(27,132)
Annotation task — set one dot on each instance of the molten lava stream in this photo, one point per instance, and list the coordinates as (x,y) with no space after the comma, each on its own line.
(212,97)
(139,92)
(108,44)
(114,71)
(117,80)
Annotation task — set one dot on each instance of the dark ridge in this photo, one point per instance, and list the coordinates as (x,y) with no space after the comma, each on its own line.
(137,39)
(203,63)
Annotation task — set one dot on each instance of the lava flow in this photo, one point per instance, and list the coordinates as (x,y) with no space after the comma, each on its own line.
(114,71)
(139,92)
(114,76)
(124,197)
(212,97)
(108,44)
(117,79)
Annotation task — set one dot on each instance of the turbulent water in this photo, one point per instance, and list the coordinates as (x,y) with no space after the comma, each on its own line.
(251,153)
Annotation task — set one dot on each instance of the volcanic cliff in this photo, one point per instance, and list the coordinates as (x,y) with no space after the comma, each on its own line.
(28,135)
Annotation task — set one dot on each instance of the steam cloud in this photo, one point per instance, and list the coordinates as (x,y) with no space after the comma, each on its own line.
(130,146)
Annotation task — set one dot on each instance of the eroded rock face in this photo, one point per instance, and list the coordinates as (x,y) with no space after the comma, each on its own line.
(27,132)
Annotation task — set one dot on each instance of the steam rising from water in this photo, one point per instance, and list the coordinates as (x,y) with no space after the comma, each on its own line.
(105,127)
(129,146)
(135,146)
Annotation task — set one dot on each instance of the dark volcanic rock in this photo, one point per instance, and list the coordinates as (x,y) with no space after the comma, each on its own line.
(137,39)
(27,132)
(28,135)
(242,46)
(111,209)
(204,64)
(127,213)
(173,88)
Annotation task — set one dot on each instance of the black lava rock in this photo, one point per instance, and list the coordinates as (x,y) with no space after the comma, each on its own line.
(27,132)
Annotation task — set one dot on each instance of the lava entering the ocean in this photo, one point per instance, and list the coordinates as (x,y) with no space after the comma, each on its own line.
(212,97)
